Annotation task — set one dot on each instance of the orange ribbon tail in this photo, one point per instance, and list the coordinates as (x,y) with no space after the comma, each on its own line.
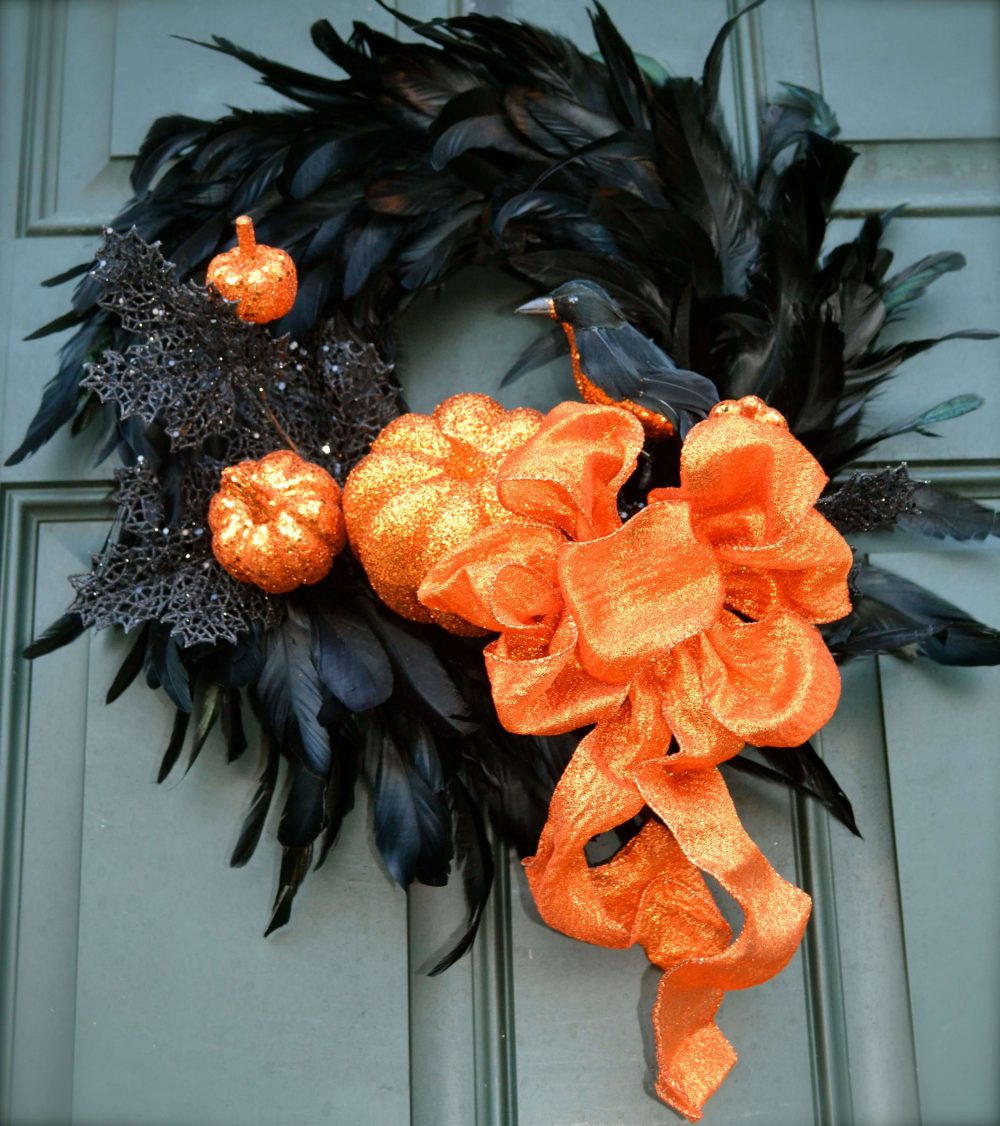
(693,1055)
(652,893)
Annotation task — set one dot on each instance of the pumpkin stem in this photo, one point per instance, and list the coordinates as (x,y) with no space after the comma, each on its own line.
(245,235)
(253,496)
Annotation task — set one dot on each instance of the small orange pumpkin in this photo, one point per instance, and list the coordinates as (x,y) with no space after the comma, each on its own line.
(261,278)
(277,522)
(426,486)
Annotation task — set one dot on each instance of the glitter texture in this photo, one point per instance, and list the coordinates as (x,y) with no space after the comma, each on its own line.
(873,499)
(159,566)
(654,424)
(222,391)
(213,382)
(261,279)
(277,522)
(681,635)
(426,487)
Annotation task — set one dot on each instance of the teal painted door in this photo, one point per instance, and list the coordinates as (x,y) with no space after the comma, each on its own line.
(135,985)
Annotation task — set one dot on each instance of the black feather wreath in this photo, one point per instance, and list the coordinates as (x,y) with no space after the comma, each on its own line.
(484,141)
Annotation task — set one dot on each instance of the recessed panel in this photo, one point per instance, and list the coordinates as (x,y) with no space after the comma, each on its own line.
(911,69)
(942,727)
(185,1013)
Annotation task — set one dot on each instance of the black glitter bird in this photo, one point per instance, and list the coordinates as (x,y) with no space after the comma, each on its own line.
(614,363)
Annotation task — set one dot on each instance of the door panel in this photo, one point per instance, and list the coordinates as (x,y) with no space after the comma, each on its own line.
(136,986)
(941,729)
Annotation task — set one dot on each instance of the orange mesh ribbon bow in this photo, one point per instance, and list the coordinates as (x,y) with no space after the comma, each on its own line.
(681,635)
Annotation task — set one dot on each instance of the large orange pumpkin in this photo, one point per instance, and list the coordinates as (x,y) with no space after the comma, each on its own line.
(425,487)
(277,522)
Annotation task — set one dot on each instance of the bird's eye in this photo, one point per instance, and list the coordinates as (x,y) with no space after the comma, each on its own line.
(572,300)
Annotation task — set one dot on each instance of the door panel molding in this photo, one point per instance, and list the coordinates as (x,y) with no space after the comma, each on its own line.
(831,1067)
(942,177)
(66,145)
(493,1006)
(26,513)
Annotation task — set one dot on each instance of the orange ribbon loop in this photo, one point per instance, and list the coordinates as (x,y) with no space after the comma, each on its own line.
(690,629)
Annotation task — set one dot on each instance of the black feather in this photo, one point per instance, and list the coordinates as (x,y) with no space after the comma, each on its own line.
(945,515)
(556,124)
(433,245)
(491,131)
(295,863)
(629,88)
(701,179)
(417,193)
(369,250)
(60,397)
(62,631)
(507,777)
(290,689)
(58,324)
(475,859)
(304,815)
(231,722)
(418,666)
(956,637)
(67,275)
(357,64)
(803,770)
(251,189)
(260,805)
(787,121)
(167,137)
(551,345)
(873,627)
(411,820)
(205,714)
(176,744)
(130,667)
(349,658)
(235,666)
(920,424)
(713,64)
(910,285)
(165,667)
(339,795)
(298,85)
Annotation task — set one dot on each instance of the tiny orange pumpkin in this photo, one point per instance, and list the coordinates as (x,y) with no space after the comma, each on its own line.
(426,486)
(262,279)
(277,522)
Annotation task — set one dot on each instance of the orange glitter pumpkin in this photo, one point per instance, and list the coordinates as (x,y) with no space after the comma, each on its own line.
(261,278)
(277,522)
(425,487)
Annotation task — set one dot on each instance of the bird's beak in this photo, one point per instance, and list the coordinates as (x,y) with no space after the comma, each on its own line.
(540,307)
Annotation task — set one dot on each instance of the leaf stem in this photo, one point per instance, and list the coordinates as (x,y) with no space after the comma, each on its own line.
(275,423)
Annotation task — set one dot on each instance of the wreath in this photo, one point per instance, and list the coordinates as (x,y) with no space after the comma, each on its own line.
(546,627)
